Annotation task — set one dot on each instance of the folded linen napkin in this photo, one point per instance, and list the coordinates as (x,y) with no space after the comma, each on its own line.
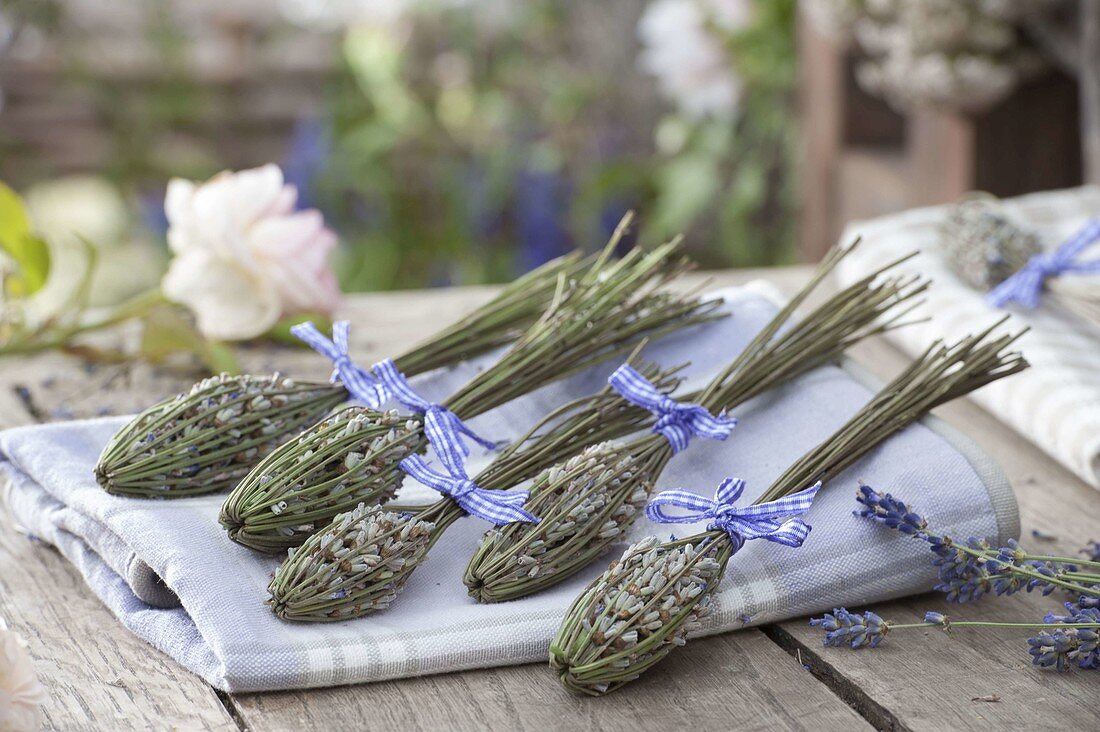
(170,574)
(1055,403)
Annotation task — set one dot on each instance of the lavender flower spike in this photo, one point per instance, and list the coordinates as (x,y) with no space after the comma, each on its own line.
(858,630)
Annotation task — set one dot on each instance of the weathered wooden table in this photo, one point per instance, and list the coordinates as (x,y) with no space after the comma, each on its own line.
(101,677)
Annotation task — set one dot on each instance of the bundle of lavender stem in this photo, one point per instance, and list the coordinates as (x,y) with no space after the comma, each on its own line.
(338,574)
(328,579)
(588,503)
(353,457)
(207,438)
(646,603)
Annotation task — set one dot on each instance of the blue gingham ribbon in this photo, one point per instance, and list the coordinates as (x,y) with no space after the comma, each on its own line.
(677,421)
(444,430)
(774,521)
(498,507)
(1026,285)
(359,382)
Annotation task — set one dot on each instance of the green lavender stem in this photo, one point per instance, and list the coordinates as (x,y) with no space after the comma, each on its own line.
(992,624)
(181,446)
(635,641)
(588,506)
(313,585)
(614,305)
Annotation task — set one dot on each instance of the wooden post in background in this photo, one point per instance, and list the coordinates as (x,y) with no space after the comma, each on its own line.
(861,160)
(1089,78)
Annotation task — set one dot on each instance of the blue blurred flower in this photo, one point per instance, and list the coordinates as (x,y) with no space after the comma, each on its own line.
(306,156)
(542,210)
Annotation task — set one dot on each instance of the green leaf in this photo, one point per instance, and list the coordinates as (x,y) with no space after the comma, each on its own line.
(14,223)
(220,358)
(30,253)
(281,331)
(168,331)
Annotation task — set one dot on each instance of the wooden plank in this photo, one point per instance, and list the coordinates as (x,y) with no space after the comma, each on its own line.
(98,675)
(740,680)
(928,679)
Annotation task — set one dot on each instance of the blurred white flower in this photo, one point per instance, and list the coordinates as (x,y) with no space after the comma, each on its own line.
(337,14)
(683,45)
(330,15)
(21,693)
(80,205)
(67,210)
(243,257)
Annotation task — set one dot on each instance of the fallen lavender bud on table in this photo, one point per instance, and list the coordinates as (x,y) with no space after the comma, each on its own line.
(968,570)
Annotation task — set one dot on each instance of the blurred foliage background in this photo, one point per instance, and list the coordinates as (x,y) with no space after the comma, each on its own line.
(446,141)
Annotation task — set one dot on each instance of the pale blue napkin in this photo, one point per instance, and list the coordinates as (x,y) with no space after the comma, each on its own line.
(170,574)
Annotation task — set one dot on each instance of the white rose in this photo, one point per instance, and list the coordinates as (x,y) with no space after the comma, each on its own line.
(21,694)
(243,257)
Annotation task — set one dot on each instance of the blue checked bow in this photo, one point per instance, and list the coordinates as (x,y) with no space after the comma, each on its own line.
(498,507)
(1026,285)
(359,382)
(775,521)
(443,428)
(677,421)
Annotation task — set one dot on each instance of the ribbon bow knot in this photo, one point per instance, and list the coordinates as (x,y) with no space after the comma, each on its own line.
(359,382)
(776,520)
(1025,286)
(444,430)
(497,507)
(677,421)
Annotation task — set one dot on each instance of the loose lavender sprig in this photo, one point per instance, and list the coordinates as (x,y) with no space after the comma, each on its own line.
(614,305)
(588,504)
(1062,642)
(941,374)
(207,438)
(968,570)
(298,595)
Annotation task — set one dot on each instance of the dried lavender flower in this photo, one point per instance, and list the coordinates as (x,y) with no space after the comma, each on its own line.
(613,306)
(1063,641)
(588,506)
(359,562)
(990,252)
(208,438)
(585,505)
(973,568)
(857,630)
(350,458)
(518,460)
(599,664)
(982,245)
(636,613)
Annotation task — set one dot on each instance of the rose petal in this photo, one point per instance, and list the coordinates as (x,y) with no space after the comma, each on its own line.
(229,302)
